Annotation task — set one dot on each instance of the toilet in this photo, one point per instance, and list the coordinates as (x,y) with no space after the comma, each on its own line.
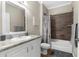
(44,48)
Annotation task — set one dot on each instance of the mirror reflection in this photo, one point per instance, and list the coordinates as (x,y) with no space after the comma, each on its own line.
(16,16)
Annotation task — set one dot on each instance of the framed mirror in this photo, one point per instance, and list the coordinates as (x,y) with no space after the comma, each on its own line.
(15,17)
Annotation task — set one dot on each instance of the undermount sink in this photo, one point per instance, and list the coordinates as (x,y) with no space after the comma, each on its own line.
(14,40)
(26,37)
(6,42)
(1,44)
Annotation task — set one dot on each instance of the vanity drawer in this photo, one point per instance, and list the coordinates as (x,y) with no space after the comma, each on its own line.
(3,54)
(18,51)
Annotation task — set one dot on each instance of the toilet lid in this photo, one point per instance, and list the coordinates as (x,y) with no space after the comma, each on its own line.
(45,45)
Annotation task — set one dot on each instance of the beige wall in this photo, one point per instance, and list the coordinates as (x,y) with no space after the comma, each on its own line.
(16,16)
(76,20)
(60,10)
(76,11)
(0,17)
(34,11)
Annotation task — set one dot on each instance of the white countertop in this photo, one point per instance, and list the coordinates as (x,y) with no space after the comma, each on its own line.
(10,43)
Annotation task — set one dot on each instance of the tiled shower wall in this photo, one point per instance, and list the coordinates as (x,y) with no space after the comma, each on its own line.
(62,26)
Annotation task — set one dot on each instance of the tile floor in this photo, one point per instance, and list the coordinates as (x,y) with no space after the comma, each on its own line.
(58,53)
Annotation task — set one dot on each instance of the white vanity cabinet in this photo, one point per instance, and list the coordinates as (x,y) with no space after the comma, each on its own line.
(35,48)
(3,54)
(28,49)
(18,51)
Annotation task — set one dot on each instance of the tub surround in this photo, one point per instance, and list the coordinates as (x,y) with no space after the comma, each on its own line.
(62,45)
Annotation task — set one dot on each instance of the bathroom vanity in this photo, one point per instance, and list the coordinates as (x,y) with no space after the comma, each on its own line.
(25,46)
(14,20)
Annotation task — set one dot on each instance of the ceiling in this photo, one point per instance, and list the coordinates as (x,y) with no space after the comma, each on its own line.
(53,4)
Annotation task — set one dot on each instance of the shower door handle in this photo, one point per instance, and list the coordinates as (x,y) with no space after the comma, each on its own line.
(49,36)
(76,35)
(76,42)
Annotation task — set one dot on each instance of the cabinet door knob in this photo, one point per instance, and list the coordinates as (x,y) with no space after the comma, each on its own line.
(5,55)
(32,47)
(27,50)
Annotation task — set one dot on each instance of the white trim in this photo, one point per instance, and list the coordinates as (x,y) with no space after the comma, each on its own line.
(3,16)
(60,5)
(41,15)
(17,4)
(26,20)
